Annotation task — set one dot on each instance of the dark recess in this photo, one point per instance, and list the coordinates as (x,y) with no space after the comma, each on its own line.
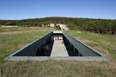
(45,50)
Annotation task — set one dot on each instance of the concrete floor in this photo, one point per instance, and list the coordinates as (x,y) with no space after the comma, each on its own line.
(58,49)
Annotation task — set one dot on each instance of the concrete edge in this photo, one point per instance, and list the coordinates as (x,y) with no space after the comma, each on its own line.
(36,58)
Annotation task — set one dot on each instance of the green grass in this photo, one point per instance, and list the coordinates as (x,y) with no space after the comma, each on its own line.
(105,44)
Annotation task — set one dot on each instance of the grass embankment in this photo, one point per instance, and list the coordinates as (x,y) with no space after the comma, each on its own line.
(9,43)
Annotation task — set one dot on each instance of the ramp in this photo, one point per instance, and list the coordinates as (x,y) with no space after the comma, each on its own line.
(58,49)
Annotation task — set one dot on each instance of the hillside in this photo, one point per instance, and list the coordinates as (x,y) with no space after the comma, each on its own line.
(103,26)
(13,39)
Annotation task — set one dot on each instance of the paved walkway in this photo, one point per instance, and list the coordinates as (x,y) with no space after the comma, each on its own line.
(58,49)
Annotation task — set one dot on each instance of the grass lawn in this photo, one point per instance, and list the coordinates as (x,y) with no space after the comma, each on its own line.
(12,39)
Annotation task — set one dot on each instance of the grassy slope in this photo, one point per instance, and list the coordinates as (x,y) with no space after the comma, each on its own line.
(9,43)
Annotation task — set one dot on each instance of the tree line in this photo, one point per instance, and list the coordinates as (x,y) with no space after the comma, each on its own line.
(23,23)
(103,26)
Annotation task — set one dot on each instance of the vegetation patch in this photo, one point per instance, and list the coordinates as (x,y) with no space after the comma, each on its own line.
(102,26)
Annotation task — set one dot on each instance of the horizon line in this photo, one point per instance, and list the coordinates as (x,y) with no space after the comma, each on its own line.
(60,16)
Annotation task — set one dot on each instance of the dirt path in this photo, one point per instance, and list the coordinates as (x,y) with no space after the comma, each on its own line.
(63,27)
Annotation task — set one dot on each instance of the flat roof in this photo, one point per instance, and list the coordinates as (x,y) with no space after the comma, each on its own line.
(28,52)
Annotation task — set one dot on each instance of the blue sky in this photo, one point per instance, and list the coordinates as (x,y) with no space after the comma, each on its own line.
(24,9)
